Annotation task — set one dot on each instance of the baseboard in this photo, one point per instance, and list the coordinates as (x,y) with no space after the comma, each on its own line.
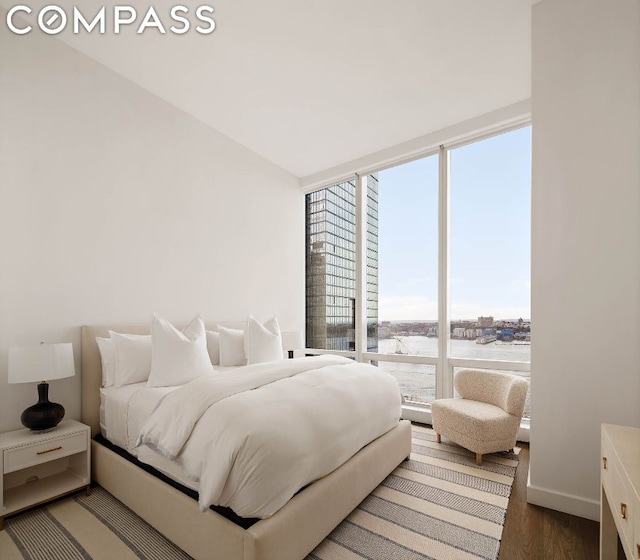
(559,501)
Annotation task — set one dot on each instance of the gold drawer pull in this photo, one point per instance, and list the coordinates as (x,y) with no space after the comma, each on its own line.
(54,449)
(623,510)
(604,463)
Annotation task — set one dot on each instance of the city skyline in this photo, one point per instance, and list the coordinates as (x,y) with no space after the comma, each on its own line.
(454,320)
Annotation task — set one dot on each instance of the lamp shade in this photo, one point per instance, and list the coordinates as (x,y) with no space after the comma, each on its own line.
(292,340)
(44,362)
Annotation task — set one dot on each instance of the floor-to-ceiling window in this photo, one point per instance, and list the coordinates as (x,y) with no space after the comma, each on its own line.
(446,253)
(489,247)
(408,275)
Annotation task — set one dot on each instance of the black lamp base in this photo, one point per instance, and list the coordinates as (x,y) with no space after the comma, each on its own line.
(43,415)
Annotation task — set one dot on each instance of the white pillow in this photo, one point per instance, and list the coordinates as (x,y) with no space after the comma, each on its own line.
(231,347)
(213,346)
(262,342)
(132,357)
(178,357)
(108,357)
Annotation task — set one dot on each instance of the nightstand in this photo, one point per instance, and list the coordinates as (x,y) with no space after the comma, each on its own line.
(41,466)
(620,493)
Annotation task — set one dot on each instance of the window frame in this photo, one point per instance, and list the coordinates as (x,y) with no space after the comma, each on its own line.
(444,363)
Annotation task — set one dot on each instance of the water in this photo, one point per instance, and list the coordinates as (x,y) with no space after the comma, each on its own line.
(424,346)
(418,381)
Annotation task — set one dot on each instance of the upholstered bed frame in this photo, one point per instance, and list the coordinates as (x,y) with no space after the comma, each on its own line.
(290,534)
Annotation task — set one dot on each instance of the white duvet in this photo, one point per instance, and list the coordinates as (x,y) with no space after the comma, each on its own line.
(253,437)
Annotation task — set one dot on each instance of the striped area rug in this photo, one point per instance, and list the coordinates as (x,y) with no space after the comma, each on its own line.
(438,505)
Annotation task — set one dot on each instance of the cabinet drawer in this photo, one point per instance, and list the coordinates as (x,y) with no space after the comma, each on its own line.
(29,455)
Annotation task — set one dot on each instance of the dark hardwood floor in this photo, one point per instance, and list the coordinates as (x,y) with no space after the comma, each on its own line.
(537,533)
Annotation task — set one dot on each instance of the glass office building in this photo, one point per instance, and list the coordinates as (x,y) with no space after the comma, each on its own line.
(331,266)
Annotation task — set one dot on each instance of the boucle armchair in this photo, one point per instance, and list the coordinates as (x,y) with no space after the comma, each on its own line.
(487,416)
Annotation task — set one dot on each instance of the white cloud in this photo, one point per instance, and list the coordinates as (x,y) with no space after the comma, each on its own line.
(414,282)
(396,308)
(522,283)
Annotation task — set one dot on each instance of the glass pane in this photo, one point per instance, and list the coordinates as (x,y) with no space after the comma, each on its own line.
(331,267)
(407,258)
(417,381)
(525,374)
(490,248)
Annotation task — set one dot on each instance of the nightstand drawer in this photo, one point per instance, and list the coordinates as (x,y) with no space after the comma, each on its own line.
(29,455)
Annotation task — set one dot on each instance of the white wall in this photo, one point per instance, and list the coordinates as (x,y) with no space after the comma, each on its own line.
(115,205)
(586,242)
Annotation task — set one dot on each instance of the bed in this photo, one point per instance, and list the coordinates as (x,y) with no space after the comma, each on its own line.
(290,534)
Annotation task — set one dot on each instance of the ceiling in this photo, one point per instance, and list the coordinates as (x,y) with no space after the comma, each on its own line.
(312,84)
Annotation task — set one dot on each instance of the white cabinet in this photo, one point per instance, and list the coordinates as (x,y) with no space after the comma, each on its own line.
(620,493)
(40,466)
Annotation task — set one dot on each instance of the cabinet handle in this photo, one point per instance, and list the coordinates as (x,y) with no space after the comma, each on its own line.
(638,547)
(623,511)
(604,463)
(48,450)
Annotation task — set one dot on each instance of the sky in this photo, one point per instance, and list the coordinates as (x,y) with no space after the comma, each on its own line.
(490,233)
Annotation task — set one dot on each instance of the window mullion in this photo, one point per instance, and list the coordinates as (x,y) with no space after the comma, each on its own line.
(361,269)
(444,372)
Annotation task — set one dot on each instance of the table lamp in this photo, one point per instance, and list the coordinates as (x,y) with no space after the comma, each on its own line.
(292,341)
(45,362)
